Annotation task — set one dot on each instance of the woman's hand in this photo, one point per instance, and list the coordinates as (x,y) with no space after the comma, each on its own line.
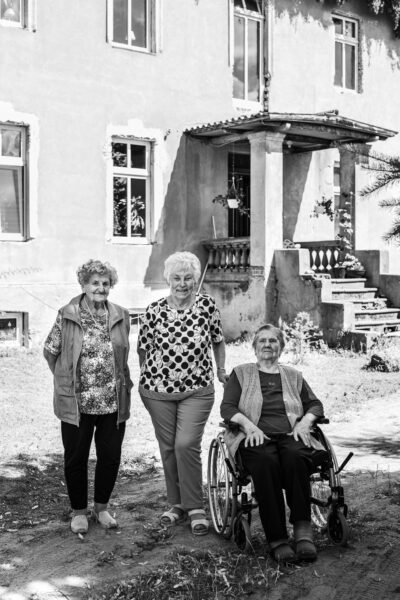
(222,376)
(254,436)
(302,431)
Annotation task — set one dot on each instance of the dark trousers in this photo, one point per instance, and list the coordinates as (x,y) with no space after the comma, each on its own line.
(276,464)
(77,441)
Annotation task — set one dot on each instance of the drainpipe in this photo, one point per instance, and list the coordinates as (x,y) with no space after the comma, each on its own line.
(269,11)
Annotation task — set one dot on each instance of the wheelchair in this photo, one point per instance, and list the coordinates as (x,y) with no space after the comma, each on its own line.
(231,499)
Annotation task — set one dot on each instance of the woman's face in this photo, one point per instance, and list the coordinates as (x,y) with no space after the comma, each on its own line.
(268,346)
(97,288)
(181,283)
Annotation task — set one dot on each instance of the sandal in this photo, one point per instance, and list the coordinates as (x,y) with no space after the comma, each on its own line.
(79,524)
(284,553)
(173,516)
(199,525)
(306,550)
(105,519)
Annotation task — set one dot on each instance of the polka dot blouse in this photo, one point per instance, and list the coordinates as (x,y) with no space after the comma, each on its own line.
(177,344)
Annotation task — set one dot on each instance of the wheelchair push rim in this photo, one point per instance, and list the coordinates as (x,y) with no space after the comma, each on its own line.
(219,484)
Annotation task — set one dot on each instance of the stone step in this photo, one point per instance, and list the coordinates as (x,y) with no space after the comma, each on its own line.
(377,315)
(349,294)
(369,303)
(348,283)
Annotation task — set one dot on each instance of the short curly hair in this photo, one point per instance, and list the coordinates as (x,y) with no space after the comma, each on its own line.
(269,327)
(92,267)
(182,260)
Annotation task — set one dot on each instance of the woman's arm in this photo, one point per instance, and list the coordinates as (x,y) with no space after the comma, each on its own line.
(230,412)
(219,355)
(53,344)
(313,409)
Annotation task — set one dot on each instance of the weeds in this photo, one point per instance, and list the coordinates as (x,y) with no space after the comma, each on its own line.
(197,575)
(384,356)
(302,336)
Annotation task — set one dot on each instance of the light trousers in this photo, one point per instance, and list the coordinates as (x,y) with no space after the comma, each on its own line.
(179,427)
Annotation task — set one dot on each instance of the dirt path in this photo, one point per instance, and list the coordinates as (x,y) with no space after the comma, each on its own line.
(41,560)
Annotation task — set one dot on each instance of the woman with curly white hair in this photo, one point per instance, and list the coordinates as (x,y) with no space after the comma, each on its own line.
(177,382)
(87,352)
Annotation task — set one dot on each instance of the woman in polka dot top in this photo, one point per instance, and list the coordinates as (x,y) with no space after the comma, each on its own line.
(175,341)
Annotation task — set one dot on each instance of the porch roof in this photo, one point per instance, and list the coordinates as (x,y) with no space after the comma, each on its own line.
(303,132)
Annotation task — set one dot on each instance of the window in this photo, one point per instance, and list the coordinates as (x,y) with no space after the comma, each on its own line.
(13,201)
(131,189)
(131,24)
(247,50)
(11,329)
(12,12)
(346,52)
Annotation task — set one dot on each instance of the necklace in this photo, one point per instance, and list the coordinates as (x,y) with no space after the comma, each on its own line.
(97,323)
(175,306)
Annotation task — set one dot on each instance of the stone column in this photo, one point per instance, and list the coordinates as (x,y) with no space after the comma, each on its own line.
(362,177)
(266,217)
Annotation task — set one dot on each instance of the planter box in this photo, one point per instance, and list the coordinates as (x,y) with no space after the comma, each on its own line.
(352,274)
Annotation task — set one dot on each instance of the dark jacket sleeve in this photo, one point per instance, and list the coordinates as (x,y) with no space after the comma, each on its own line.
(311,404)
(230,401)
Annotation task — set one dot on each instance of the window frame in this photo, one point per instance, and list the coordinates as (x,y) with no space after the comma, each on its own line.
(146,174)
(247,14)
(21,24)
(151,28)
(349,41)
(20,334)
(20,163)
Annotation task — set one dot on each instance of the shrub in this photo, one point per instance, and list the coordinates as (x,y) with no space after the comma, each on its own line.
(384,355)
(302,335)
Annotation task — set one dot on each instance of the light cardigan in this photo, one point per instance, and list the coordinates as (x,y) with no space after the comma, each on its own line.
(251,400)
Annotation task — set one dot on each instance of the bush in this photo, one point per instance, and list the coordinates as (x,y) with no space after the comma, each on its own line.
(302,336)
(384,356)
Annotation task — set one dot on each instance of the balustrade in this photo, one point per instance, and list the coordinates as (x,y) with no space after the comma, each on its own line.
(324,256)
(228,254)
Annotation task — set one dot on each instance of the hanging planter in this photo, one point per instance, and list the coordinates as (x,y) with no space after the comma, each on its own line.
(232,202)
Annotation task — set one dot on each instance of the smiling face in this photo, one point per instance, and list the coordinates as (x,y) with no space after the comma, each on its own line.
(181,283)
(267,346)
(97,288)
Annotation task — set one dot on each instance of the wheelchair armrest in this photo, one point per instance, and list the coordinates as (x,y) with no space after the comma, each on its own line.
(230,426)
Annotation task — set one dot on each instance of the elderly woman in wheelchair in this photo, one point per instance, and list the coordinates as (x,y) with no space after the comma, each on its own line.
(273,410)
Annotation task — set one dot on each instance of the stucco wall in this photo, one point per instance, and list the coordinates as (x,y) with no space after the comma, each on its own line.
(302,81)
(74,91)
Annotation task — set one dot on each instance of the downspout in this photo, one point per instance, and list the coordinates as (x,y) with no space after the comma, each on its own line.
(269,11)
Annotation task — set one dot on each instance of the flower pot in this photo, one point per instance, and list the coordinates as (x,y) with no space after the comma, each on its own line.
(339,272)
(355,274)
(233,202)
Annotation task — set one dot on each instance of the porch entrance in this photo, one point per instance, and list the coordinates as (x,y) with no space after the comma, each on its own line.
(239,171)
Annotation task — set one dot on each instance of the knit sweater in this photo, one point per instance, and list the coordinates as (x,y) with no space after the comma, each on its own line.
(251,399)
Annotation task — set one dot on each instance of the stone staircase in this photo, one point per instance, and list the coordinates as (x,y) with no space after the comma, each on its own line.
(371,312)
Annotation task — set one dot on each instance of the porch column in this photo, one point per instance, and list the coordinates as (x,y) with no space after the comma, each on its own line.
(266,218)
(366,228)
(347,186)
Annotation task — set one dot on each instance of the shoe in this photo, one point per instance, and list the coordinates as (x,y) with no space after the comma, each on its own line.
(79,524)
(306,550)
(199,525)
(284,553)
(173,516)
(105,519)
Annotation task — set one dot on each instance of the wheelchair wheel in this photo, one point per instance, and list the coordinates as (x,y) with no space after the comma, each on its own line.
(219,483)
(241,533)
(338,529)
(320,492)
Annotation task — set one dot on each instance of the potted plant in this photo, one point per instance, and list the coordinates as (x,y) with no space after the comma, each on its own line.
(354,268)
